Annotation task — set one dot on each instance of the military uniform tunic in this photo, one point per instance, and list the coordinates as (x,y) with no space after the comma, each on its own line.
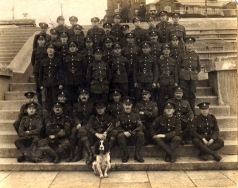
(152,28)
(140,35)
(107,54)
(47,39)
(176,51)
(79,40)
(63,51)
(88,55)
(115,108)
(96,33)
(61,28)
(162,27)
(175,29)
(156,49)
(117,32)
(38,54)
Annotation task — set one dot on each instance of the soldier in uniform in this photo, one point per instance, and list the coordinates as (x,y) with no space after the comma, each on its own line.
(188,67)
(131,51)
(145,73)
(75,68)
(107,49)
(73,21)
(101,125)
(87,52)
(176,47)
(29,134)
(107,28)
(82,110)
(148,111)
(116,28)
(98,76)
(38,54)
(23,110)
(142,11)
(95,32)
(77,37)
(155,44)
(119,66)
(115,107)
(63,49)
(61,26)
(151,22)
(205,132)
(54,34)
(125,30)
(165,132)
(184,112)
(63,97)
(58,125)
(129,128)
(175,29)
(168,75)
(164,17)
(44,27)
(51,75)
(140,33)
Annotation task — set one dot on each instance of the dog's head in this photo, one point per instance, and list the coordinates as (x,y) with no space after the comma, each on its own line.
(101,145)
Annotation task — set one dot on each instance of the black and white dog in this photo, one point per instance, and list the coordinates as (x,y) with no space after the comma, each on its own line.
(102,163)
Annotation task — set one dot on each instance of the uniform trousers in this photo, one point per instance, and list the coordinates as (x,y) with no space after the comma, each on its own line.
(38,90)
(190,91)
(165,93)
(72,91)
(50,96)
(23,143)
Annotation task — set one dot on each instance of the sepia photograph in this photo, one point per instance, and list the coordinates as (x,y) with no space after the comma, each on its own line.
(118,93)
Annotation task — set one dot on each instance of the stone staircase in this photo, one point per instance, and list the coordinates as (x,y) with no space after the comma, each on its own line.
(210,44)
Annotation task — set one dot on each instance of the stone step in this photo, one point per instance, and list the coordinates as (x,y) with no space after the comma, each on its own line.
(225,133)
(211,99)
(11,40)
(6,125)
(203,83)
(15,95)
(228,162)
(22,86)
(6,37)
(6,58)
(201,91)
(216,110)
(12,104)
(217,54)
(17,43)
(8,150)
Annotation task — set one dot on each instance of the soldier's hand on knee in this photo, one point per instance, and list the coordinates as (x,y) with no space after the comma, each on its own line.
(210,142)
(41,87)
(205,141)
(78,126)
(51,136)
(127,134)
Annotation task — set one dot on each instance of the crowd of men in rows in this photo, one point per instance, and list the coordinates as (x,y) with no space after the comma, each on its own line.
(131,87)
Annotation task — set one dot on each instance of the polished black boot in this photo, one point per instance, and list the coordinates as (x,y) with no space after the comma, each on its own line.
(79,155)
(138,158)
(89,152)
(72,150)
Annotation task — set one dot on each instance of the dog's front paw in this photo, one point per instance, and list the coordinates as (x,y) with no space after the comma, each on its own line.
(106,175)
(101,176)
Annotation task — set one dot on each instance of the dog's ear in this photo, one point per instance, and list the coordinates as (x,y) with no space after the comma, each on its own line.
(106,146)
(96,148)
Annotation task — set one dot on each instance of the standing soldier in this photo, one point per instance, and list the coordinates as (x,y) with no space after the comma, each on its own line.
(129,128)
(155,44)
(205,132)
(151,22)
(168,75)
(164,17)
(101,125)
(75,71)
(107,49)
(145,73)
(142,11)
(131,51)
(125,30)
(115,107)
(95,32)
(82,110)
(57,129)
(107,29)
(165,132)
(38,54)
(63,49)
(98,76)
(148,111)
(54,34)
(189,67)
(44,27)
(140,33)
(87,52)
(29,133)
(183,112)
(51,75)
(119,66)
(175,29)
(73,21)
(116,28)
(23,110)
(61,26)
(76,36)
(176,47)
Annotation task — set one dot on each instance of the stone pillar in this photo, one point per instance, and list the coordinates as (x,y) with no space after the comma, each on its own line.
(110,10)
(224,83)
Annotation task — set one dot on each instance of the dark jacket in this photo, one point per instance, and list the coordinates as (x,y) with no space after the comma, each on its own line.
(38,54)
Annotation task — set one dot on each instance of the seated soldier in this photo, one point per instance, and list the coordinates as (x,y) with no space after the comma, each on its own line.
(148,111)
(29,134)
(205,132)
(101,125)
(82,110)
(184,112)
(115,107)
(23,110)
(165,132)
(129,128)
(58,125)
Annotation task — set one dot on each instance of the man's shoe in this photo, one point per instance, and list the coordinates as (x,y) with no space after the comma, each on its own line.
(138,158)
(125,158)
(57,160)
(167,158)
(217,157)
(21,158)
(203,156)
(173,158)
